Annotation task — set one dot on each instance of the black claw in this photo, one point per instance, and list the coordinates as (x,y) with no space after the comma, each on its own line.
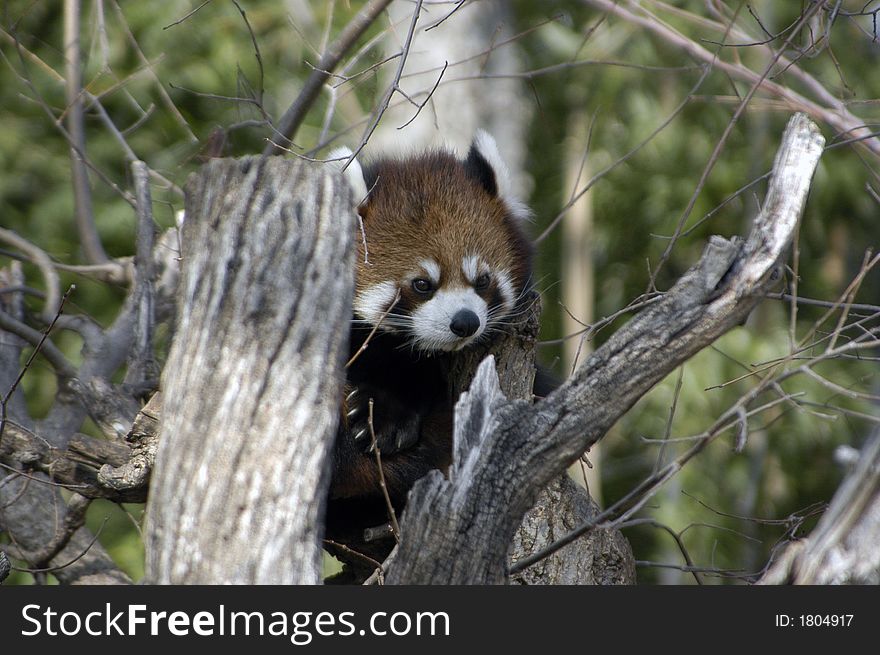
(360,434)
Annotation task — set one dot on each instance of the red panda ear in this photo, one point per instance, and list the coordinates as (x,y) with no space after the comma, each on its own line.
(485,164)
(478,168)
(353,173)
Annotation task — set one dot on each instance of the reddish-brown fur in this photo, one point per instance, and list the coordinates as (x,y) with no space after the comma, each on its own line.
(429,207)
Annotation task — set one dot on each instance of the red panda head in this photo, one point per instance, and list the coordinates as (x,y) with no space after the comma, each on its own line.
(442,260)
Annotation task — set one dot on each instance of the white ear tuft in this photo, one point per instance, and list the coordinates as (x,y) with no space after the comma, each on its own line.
(354,174)
(485,144)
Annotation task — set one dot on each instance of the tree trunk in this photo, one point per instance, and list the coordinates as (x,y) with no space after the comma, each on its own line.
(253,381)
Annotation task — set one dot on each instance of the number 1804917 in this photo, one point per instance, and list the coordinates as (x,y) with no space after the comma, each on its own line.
(814,620)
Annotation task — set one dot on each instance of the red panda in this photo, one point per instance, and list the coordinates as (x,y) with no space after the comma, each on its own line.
(443,262)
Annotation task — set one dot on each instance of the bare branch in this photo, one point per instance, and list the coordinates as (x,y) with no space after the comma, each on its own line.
(837,115)
(722,140)
(160,87)
(85,218)
(141,362)
(183,18)
(75,467)
(843,547)
(293,117)
(392,87)
(392,516)
(38,256)
(598,176)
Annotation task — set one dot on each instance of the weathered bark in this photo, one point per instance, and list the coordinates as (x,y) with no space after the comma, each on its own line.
(5,566)
(561,505)
(75,467)
(843,548)
(252,382)
(38,521)
(459,530)
(603,557)
(133,475)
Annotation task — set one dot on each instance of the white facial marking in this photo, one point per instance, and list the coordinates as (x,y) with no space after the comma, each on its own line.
(471,267)
(371,303)
(432,268)
(505,288)
(353,173)
(431,320)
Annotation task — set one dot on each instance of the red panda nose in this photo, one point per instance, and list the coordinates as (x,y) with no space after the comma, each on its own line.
(464,323)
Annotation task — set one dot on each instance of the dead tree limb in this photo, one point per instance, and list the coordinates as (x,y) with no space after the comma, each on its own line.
(253,381)
(842,549)
(82,195)
(506,450)
(289,123)
(75,467)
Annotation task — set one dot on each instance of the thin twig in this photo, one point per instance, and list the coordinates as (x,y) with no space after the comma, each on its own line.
(74,519)
(160,86)
(636,498)
(351,551)
(394,86)
(68,368)
(392,516)
(257,54)
(678,541)
(293,117)
(72,561)
(605,171)
(669,419)
(822,303)
(180,20)
(425,101)
(366,342)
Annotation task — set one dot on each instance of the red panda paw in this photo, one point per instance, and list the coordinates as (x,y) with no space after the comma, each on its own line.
(394,425)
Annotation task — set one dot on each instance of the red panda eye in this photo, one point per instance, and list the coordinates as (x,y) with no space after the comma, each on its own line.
(422,286)
(482,282)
